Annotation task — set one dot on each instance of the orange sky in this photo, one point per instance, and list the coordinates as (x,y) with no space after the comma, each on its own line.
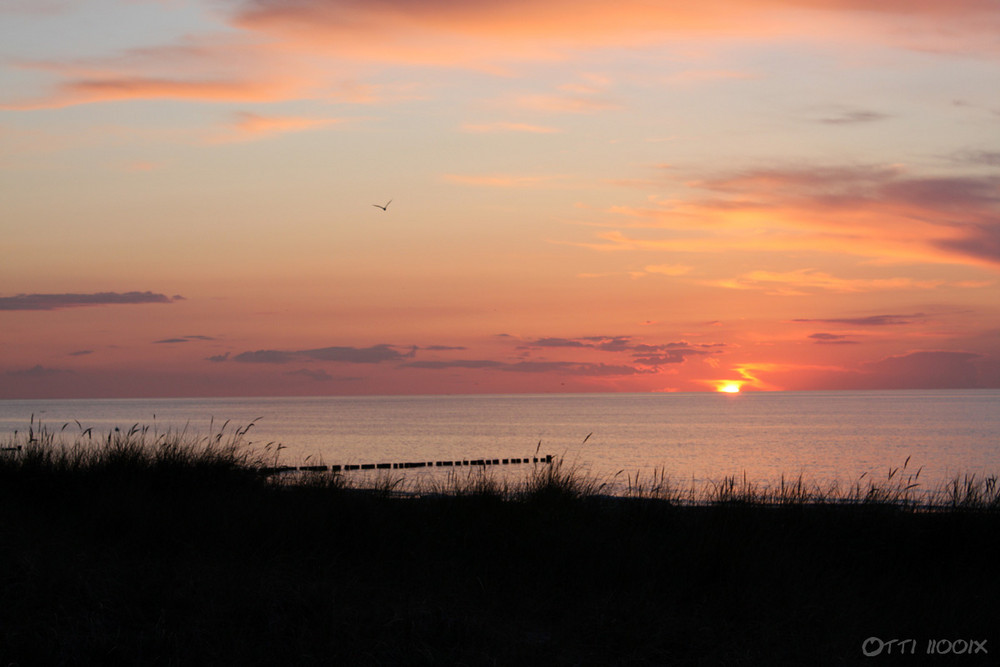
(586,196)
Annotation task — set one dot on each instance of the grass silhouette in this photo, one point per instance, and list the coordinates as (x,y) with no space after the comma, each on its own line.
(175,549)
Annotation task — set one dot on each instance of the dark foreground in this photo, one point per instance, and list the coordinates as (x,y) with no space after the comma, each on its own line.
(214,566)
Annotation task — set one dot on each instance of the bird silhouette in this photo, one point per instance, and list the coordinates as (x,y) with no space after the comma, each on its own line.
(383,207)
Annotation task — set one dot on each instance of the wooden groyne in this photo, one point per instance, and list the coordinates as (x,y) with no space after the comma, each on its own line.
(407,465)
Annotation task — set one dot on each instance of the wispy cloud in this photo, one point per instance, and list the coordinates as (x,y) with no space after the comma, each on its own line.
(57,301)
(691,76)
(183,339)
(805,281)
(504,180)
(870,320)
(854,117)
(116,88)
(979,157)
(248,126)
(501,126)
(568,103)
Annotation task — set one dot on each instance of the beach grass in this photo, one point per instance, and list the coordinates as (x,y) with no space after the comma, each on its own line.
(135,547)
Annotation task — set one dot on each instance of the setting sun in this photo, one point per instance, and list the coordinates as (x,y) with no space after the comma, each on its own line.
(729,388)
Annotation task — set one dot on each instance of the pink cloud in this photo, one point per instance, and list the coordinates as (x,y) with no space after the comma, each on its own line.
(806,281)
(868,211)
(269,49)
(466,33)
(149,88)
(117,88)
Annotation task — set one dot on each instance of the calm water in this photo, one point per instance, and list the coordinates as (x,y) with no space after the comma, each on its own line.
(825,436)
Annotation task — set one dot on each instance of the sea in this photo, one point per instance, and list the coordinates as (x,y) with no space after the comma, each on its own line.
(688,438)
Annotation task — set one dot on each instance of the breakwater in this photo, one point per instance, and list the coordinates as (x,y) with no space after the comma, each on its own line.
(407,465)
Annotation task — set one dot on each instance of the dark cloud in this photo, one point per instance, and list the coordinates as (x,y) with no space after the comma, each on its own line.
(353,355)
(456,363)
(646,348)
(38,371)
(831,339)
(853,183)
(614,343)
(618,344)
(219,357)
(921,369)
(672,358)
(317,375)
(442,348)
(558,342)
(265,357)
(981,241)
(962,193)
(669,353)
(183,339)
(870,321)
(57,301)
(927,370)
(988,158)
(80,353)
(644,354)
(563,367)
(604,343)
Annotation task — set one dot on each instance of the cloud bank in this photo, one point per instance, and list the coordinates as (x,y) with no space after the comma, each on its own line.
(352,355)
(58,301)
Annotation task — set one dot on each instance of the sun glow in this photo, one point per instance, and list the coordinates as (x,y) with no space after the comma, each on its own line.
(729,387)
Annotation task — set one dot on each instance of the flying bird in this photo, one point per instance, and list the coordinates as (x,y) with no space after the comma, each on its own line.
(383,207)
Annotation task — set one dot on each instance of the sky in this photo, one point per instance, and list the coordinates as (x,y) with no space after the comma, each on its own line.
(585,196)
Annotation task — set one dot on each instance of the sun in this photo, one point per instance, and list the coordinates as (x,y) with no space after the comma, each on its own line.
(729,387)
